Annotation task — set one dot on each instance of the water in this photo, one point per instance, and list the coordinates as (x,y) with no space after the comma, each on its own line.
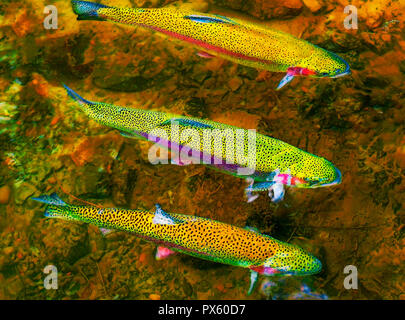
(48,145)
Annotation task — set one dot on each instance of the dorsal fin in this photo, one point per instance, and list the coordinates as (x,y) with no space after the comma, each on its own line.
(208,19)
(253,229)
(163,218)
(186,122)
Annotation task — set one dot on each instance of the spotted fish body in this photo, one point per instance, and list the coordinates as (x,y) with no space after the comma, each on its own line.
(272,165)
(233,39)
(196,236)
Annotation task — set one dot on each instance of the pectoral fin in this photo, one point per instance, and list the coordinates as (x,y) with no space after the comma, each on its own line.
(256,187)
(276,192)
(132,135)
(287,78)
(253,280)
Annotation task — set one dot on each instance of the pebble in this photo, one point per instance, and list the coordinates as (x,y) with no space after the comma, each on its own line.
(313,5)
(25,190)
(5,192)
(154,296)
(8,250)
(235,83)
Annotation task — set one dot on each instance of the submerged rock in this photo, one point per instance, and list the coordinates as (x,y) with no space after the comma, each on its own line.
(5,193)
(264,9)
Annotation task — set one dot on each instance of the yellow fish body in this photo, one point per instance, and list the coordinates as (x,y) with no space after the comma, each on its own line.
(232,39)
(196,236)
(268,163)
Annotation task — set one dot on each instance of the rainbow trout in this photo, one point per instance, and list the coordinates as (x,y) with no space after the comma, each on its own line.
(267,163)
(229,38)
(196,236)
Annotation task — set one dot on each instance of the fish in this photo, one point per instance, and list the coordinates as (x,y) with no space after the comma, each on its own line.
(233,39)
(266,163)
(195,236)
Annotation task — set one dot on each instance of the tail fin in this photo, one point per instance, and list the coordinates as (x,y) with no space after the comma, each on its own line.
(52,199)
(75,96)
(56,208)
(86,10)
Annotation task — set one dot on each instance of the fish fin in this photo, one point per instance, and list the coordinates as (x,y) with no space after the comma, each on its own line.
(75,96)
(248,191)
(207,19)
(187,122)
(251,197)
(229,20)
(52,199)
(86,10)
(259,186)
(205,55)
(132,135)
(287,78)
(276,192)
(253,229)
(163,218)
(105,231)
(56,207)
(163,252)
(272,175)
(256,187)
(177,161)
(253,280)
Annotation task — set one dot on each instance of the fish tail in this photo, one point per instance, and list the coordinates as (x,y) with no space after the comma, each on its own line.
(76,96)
(86,10)
(50,199)
(56,208)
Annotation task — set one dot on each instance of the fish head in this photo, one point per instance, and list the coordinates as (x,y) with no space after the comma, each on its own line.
(326,64)
(289,259)
(315,172)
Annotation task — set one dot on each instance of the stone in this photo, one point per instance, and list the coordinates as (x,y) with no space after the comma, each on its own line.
(313,5)
(5,192)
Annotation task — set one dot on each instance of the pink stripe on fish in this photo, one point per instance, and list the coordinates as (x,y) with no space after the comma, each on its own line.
(298,71)
(205,45)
